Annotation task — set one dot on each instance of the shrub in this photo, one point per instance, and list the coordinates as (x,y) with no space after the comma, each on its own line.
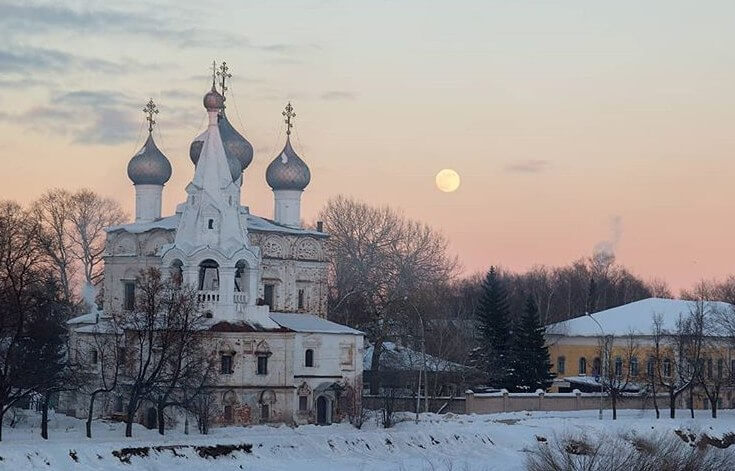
(626,452)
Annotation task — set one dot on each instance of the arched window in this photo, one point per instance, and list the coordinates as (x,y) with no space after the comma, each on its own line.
(596,369)
(241,282)
(650,365)
(177,272)
(309,358)
(667,368)
(634,367)
(208,276)
(618,366)
(561,365)
(583,366)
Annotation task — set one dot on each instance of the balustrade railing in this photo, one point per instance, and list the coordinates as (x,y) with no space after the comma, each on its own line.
(208,296)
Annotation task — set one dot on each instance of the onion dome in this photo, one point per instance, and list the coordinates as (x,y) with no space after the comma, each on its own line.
(236,146)
(288,171)
(213,101)
(149,166)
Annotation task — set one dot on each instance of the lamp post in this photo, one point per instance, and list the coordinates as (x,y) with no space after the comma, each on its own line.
(423,360)
(603,366)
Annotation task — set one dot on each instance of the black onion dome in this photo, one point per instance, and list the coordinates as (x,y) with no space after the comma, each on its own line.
(149,166)
(288,171)
(235,144)
(238,150)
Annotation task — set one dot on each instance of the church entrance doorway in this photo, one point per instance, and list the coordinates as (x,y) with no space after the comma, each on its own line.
(322,411)
(151,418)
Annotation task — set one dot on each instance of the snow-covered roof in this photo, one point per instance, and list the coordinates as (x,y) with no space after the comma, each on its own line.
(168,223)
(89,318)
(255,223)
(635,317)
(311,324)
(397,357)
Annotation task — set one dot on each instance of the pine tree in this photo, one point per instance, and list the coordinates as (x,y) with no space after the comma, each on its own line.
(494,332)
(531,355)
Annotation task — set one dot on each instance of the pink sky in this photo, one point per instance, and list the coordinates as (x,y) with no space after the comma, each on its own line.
(559,116)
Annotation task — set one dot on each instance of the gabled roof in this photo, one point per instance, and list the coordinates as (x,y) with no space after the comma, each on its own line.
(309,323)
(396,357)
(635,317)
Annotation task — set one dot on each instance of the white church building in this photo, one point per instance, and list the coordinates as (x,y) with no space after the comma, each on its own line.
(261,283)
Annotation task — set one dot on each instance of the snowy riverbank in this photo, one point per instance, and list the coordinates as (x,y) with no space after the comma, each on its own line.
(438,442)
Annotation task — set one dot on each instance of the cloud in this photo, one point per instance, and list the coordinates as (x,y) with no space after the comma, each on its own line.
(31,59)
(529,166)
(109,126)
(86,116)
(94,98)
(45,18)
(338,95)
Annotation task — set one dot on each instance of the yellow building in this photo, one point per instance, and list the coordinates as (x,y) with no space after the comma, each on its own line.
(630,359)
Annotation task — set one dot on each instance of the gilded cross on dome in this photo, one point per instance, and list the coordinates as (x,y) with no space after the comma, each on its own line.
(214,74)
(150,110)
(222,73)
(289,114)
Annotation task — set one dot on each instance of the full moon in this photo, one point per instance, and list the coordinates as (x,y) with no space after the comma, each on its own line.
(447,180)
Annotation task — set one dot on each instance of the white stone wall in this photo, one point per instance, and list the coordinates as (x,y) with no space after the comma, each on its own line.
(291,263)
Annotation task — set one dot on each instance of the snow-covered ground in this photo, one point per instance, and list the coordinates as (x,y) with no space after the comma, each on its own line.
(438,442)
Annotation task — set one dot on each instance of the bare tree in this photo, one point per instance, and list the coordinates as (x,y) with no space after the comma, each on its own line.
(378,258)
(90,215)
(53,211)
(162,334)
(653,363)
(619,372)
(204,407)
(189,368)
(100,356)
(31,332)
(674,371)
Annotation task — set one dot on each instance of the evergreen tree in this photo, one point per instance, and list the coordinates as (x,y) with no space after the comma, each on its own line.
(494,332)
(531,355)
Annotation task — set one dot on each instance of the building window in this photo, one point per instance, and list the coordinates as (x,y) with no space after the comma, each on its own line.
(301,298)
(210,224)
(128,295)
(650,366)
(209,276)
(596,367)
(265,412)
(583,366)
(346,355)
(720,367)
(634,367)
(561,365)
(709,368)
(618,367)
(226,365)
(268,295)
(309,358)
(667,368)
(228,414)
(262,365)
(93,356)
(303,403)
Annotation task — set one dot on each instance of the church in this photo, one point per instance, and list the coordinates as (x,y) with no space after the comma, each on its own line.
(260,283)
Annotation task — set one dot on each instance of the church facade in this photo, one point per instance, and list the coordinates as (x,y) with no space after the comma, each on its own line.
(261,284)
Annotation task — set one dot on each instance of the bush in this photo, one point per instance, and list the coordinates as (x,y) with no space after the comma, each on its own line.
(627,452)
